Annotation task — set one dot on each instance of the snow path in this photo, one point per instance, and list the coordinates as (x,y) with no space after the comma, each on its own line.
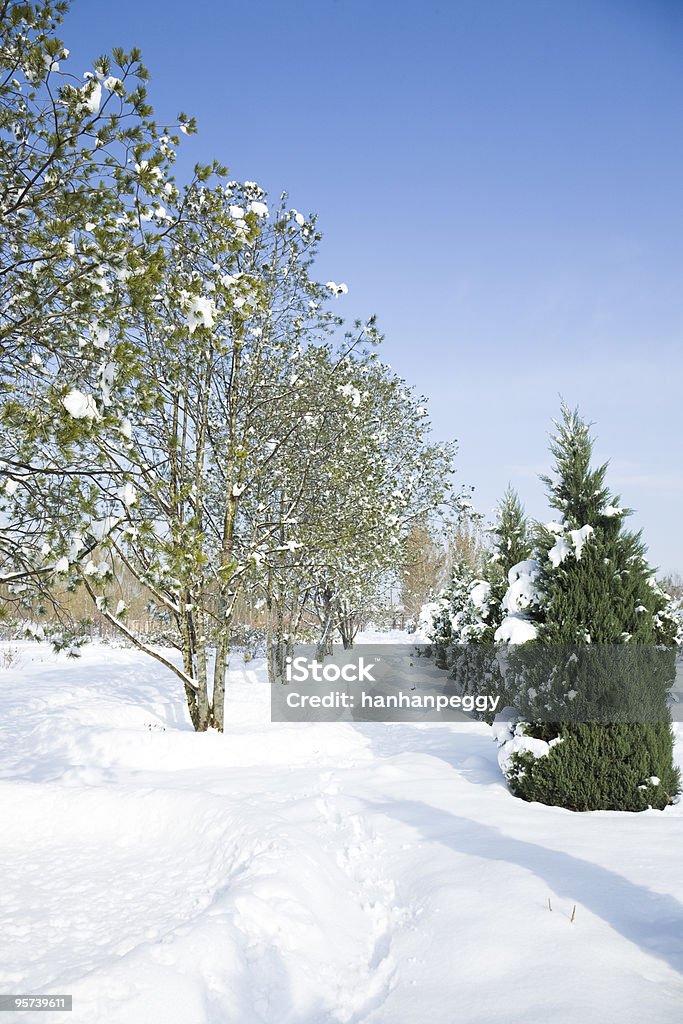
(307,874)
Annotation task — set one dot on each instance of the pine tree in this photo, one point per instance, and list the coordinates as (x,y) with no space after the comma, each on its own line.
(85,182)
(475,664)
(511,535)
(452,612)
(597,597)
(511,544)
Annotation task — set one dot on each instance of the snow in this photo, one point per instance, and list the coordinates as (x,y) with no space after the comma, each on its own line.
(34,629)
(522,592)
(521,596)
(100,335)
(92,95)
(305,873)
(509,735)
(515,629)
(559,551)
(579,538)
(107,376)
(201,312)
(480,593)
(425,621)
(113,84)
(127,494)
(555,527)
(527,567)
(80,406)
(337,289)
(349,391)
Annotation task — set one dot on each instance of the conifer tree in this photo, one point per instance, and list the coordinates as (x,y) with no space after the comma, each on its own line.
(596,595)
(511,535)
(85,181)
(511,543)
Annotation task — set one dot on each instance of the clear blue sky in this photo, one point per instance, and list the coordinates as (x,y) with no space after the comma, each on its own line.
(500,181)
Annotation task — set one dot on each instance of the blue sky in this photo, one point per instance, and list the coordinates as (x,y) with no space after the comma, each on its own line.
(500,181)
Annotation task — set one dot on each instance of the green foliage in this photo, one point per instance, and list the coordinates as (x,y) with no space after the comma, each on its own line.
(576,490)
(596,589)
(601,767)
(469,610)
(511,535)
(456,621)
(83,173)
(511,543)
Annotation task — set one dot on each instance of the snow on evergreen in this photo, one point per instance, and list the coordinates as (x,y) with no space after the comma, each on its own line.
(519,600)
(80,406)
(516,629)
(511,737)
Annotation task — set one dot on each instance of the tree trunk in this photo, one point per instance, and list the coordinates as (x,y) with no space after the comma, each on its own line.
(219,672)
(325,647)
(348,626)
(194,664)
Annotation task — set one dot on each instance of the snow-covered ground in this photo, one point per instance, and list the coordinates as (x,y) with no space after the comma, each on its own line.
(307,873)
